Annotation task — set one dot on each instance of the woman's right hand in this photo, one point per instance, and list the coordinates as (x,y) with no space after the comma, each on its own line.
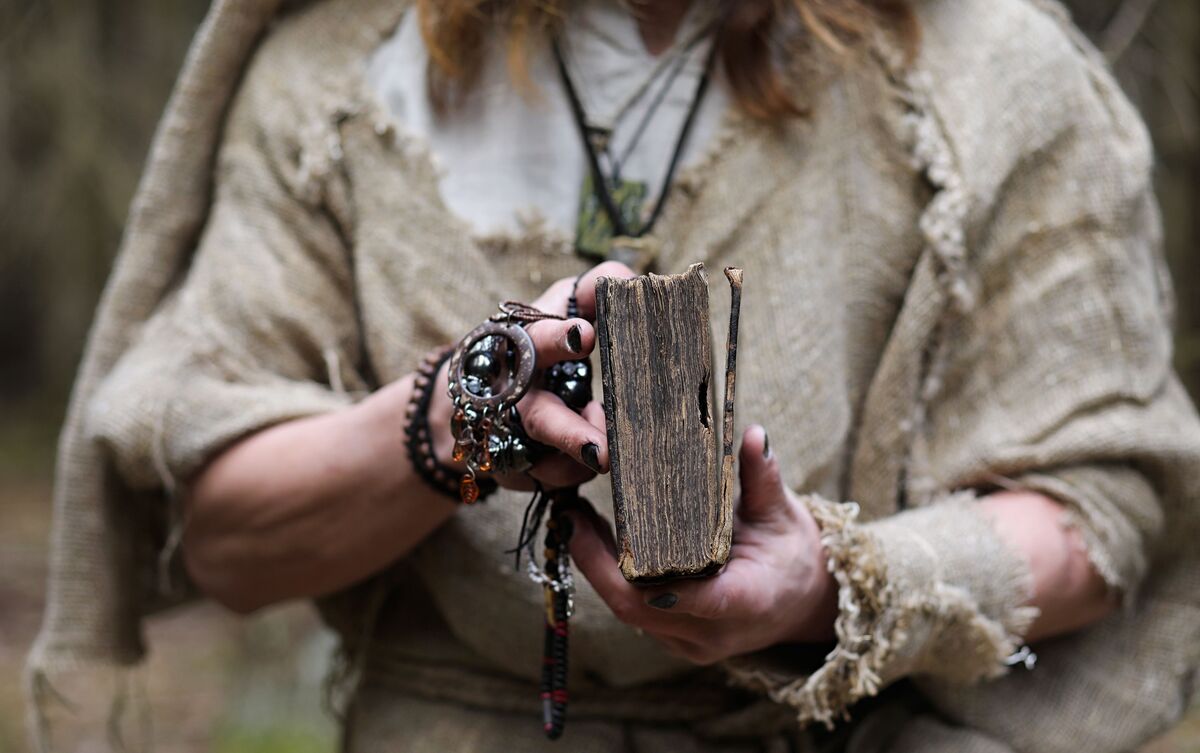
(579,439)
(305,508)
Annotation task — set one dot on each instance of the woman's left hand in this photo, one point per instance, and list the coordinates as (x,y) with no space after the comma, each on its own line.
(776,587)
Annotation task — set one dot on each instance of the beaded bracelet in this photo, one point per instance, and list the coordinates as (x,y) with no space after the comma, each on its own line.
(419,438)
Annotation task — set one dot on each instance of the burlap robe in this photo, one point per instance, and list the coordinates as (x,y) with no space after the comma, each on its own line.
(953,285)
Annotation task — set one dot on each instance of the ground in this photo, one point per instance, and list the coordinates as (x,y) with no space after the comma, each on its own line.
(219,683)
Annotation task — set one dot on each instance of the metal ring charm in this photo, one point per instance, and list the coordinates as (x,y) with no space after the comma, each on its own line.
(478,357)
(491,369)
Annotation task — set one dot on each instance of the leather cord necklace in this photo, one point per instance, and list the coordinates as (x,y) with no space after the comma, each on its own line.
(672,59)
(602,184)
(644,122)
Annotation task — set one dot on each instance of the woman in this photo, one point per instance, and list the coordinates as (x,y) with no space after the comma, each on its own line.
(955,318)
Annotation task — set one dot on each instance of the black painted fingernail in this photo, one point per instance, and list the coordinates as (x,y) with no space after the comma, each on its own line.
(663,601)
(575,339)
(766,444)
(590,454)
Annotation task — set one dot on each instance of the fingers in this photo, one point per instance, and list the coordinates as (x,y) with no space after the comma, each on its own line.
(561,340)
(711,598)
(600,546)
(554,300)
(586,292)
(763,492)
(595,555)
(566,340)
(548,420)
(561,471)
(719,597)
(593,413)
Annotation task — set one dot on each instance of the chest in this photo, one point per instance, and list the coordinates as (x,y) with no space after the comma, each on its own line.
(824,228)
(511,151)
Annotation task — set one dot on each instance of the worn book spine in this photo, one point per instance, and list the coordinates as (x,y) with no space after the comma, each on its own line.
(672,470)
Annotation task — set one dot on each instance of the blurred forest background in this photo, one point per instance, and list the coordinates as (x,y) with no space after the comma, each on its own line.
(81,87)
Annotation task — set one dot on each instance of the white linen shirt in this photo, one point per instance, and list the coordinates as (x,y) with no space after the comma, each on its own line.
(508,161)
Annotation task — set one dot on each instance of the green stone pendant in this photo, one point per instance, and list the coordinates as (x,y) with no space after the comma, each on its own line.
(594,230)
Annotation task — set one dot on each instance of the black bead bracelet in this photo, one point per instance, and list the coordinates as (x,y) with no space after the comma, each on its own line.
(419,438)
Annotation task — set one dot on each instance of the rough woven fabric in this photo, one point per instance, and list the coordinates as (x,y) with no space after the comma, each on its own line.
(912,600)
(953,285)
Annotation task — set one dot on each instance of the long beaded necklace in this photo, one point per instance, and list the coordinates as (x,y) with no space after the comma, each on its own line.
(558,589)
(554,576)
(489,437)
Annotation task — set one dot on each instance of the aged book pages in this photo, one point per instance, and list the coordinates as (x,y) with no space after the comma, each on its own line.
(672,470)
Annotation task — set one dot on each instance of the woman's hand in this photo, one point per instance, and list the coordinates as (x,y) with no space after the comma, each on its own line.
(580,439)
(776,587)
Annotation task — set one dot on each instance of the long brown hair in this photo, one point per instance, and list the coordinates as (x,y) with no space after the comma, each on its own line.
(751,49)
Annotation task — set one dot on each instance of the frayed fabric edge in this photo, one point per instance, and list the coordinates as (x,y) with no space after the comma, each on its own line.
(850,671)
(873,621)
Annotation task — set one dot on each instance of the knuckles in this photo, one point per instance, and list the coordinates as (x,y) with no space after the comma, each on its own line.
(716,604)
(613,269)
(559,472)
(531,410)
(556,295)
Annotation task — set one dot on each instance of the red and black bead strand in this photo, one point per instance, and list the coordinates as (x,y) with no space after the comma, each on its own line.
(558,612)
(571,381)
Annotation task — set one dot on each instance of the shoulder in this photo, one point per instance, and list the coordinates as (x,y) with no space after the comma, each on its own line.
(993,54)
(1012,79)
(307,73)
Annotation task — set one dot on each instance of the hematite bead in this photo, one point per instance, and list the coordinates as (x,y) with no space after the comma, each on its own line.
(575,393)
(482,365)
(477,386)
(510,454)
(572,382)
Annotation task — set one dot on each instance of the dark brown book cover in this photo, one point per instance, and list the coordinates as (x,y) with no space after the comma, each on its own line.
(672,469)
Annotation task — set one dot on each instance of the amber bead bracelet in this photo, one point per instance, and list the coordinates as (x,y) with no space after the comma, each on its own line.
(419,438)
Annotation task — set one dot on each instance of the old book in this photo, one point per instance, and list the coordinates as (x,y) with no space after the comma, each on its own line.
(672,469)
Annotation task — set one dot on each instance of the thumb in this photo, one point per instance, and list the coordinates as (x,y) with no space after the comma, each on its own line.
(763,494)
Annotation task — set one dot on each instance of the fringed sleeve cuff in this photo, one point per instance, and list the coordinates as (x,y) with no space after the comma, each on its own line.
(930,592)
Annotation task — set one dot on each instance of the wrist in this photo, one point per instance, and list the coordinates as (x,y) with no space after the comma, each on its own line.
(818,608)
(382,418)
(817,624)
(427,435)
(387,416)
